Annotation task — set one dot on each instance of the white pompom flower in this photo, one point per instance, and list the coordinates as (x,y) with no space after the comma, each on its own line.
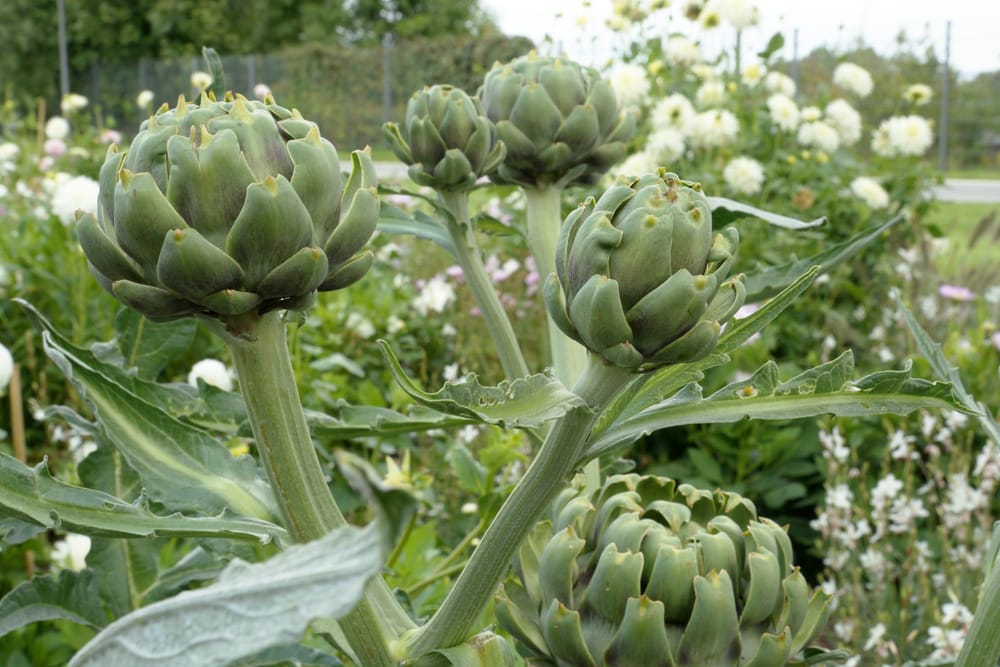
(870,192)
(78,193)
(631,85)
(213,372)
(70,553)
(784,112)
(853,78)
(6,366)
(144,99)
(744,175)
(845,119)
(57,127)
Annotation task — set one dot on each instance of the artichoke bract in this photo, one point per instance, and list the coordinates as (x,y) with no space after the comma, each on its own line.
(560,121)
(449,143)
(639,274)
(643,571)
(229,207)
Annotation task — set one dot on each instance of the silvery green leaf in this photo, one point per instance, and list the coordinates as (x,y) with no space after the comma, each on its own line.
(32,494)
(766,282)
(725,211)
(356,421)
(250,609)
(73,596)
(826,389)
(521,403)
(181,466)
(149,346)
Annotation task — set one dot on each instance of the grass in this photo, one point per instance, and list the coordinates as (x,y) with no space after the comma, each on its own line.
(973,232)
(980,173)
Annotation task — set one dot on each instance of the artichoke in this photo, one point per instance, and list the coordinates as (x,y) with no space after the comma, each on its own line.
(449,143)
(559,121)
(638,274)
(220,209)
(645,572)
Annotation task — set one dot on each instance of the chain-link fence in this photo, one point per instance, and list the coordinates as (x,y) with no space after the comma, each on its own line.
(348,92)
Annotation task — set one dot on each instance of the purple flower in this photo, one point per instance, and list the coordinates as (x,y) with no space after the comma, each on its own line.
(996,340)
(956,292)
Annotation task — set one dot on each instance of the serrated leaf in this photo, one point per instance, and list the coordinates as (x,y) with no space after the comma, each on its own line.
(32,494)
(765,282)
(181,466)
(72,597)
(826,389)
(521,403)
(725,211)
(149,346)
(356,421)
(250,609)
(739,331)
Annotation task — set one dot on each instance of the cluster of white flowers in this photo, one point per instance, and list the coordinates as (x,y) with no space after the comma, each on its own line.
(71,194)
(213,372)
(715,127)
(902,135)
(869,191)
(753,74)
(853,78)
(845,119)
(784,112)
(918,94)
(739,14)
(777,82)
(710,94)
(435,295)
(744,175)
(631,85)
(818,134)
(674,112)
(682,52)
(73,102)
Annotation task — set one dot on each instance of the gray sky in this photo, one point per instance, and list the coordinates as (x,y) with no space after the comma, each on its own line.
(975,26)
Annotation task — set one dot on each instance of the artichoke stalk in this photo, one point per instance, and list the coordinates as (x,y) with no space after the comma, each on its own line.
(449,145)
(639,274)
(561,124)
(643,571)
(233,211)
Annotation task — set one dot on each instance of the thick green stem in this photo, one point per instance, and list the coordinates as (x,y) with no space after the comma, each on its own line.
(544,209)
(982,645)
(260,354)
(455,620)
(469,258)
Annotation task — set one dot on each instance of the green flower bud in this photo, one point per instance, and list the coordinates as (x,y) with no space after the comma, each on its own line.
(448,142)
(219,209)
(560,121)
(643,571)
(639,274)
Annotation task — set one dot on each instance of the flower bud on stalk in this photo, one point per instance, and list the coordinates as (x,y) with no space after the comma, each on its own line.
(448,141)
(220,209)
(639,274)
(560,121)
(643,571)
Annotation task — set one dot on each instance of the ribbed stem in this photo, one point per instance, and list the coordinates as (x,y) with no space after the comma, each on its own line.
(455,620)
(544,209)
(260,354)
(982,645)
(467,253)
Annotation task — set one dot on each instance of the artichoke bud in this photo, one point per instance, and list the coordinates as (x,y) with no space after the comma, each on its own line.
(643,571)
(447,140)
(225,208)
(560,121)
(640,277)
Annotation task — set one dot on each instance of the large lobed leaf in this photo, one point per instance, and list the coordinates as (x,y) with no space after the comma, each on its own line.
(73,596)
(181,466)
(250,609)
(32,494)
(826,389)
(521,403)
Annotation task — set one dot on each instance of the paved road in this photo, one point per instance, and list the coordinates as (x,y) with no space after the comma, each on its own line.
(953,190)
(969,191)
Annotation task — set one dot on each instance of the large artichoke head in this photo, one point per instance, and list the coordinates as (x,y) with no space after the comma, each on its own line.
(643,571)
(449,143)
(225,208)
(560,121)
(639,274)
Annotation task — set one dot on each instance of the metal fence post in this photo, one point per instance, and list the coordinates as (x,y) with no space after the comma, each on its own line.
(945,93)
